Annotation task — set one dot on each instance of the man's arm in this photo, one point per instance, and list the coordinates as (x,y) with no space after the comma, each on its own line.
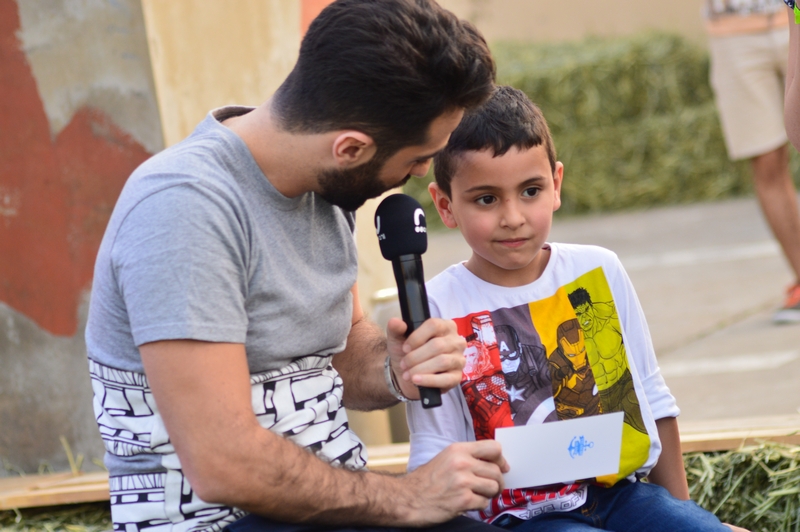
(792,101)
(433,356)
(202,391)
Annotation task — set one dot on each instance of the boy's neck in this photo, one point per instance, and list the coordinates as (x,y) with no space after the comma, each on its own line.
(509,278)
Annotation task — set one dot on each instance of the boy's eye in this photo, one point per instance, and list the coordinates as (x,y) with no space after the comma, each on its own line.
(530,192)
(485,200)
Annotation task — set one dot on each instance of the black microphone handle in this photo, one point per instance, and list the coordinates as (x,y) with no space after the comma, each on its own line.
(414,309)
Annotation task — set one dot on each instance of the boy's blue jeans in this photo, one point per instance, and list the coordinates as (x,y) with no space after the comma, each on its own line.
(624,507)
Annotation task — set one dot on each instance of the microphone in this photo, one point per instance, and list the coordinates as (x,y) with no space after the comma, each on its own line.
(403,237)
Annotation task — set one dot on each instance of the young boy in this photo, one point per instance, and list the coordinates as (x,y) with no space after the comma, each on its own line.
(554,332)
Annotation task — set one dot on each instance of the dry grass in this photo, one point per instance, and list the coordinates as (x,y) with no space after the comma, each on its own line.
(93,517)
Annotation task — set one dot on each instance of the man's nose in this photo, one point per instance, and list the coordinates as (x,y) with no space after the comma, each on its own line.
(421,169)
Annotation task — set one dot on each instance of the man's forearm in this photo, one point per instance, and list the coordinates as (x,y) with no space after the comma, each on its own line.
(282,479)
(361,366)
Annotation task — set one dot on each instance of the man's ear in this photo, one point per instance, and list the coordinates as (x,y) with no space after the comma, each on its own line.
(558,179)
(352,148)
(443,205)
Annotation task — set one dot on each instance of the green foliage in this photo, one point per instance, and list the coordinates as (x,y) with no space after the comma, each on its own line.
(633,120)
(757,488)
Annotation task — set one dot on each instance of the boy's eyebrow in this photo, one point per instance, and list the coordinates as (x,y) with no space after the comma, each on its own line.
(530,181)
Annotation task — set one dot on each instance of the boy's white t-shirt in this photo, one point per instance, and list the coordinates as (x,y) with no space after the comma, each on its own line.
(572,343)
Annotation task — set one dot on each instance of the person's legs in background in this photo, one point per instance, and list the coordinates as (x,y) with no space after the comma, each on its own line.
(747,75)
(778,199)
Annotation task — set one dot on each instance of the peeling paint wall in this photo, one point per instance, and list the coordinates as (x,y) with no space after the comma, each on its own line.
(78,115)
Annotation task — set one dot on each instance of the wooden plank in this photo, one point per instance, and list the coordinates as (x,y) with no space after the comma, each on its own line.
(51,490)
(728,434)
(14,483)
(734,440)
(388,458)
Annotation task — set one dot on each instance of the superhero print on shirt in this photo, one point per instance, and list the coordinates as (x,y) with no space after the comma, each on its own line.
(603,337)
(589,300)
(574,388)
(483,382)
(557,358)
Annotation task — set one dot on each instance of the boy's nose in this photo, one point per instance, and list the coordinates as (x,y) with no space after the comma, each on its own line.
(512,215)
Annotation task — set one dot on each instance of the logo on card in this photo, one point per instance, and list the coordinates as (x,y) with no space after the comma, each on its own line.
(578,446)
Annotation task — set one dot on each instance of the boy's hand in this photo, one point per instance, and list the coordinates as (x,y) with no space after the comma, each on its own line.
(432,356)
(465,476)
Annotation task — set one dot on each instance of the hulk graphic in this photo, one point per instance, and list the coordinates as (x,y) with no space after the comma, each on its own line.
(607,356)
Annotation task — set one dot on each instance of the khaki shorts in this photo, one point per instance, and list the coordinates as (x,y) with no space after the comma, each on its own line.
(747,75)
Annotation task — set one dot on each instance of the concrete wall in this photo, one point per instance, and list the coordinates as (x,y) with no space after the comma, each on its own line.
(79,114)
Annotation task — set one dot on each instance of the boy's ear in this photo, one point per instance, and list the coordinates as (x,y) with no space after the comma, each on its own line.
(558,178)
(443,205)
(352,148)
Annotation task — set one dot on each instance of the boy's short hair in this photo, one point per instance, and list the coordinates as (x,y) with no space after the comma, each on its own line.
(507,119)
(387,68)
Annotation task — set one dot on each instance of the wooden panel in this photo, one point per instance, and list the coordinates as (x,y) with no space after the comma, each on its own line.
(727,434)
(207,54)
(52,490)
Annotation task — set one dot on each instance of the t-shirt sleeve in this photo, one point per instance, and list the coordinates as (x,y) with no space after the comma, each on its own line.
(639,346)
(180,261)
(432,430)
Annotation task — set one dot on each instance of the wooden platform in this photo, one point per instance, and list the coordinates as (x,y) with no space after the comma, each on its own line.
(727,434)
(52,490)
(706,436)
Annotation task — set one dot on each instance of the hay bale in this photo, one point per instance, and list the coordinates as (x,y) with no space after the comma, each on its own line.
(94,517)
(757,488)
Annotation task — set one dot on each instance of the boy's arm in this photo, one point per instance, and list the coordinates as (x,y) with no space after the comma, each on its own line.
(669,471)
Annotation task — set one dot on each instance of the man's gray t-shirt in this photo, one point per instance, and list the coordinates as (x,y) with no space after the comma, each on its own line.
(201,246)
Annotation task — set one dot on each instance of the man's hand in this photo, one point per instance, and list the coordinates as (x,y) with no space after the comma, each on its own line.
(432,356)
(463,477)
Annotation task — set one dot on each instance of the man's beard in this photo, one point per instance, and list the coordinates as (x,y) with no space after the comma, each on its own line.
(350,188)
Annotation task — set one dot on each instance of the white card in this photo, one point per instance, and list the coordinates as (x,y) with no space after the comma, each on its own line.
(561,451)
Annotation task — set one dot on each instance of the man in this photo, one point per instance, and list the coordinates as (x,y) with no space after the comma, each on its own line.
(749,54)
(224,301)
